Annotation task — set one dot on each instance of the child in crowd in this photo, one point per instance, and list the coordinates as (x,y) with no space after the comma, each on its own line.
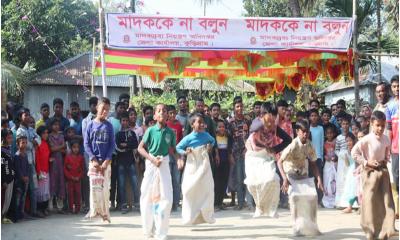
(57,180)
(156,190)
(239,128)
(317,141)
(175,173)
(329,172)
(5,123)
(99,143)
(148,122)
(42,169)
(73,171)
(293,165)
(224,143)
(31,123)
(32,142)
(326,116)
(132,124)
(355,128)
(350,189)
(126,141)
(377,209)
(139,161)
(364,123)
(22,176)
(283,121)
(341,150)
(7,173)
(70,135)
(197,184)
(362,134)
(288,123)
(45,112)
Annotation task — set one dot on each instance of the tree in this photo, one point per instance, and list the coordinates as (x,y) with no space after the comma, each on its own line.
(283,8)
(266,8)
(66,26)
(13,81)
(367,28)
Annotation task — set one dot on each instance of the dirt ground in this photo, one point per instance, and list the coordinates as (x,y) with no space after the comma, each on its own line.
(230,224)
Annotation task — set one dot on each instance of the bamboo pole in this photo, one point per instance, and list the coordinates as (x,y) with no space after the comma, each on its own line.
(103,65)
(93,67)
(356,76)
(378,15)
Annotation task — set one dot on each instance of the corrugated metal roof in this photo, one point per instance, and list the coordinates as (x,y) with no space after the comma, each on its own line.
(77,71)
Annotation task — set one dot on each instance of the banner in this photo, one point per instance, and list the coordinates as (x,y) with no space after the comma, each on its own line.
(132,31)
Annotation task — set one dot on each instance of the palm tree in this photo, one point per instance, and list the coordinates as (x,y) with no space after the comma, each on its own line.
(13,81)
(367,41)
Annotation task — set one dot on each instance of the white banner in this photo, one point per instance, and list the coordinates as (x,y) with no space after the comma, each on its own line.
(131,31)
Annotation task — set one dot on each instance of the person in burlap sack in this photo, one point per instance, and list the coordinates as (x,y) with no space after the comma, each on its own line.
(99,143)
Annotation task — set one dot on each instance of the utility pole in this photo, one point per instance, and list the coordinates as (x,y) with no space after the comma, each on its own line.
(93,67)
(378,15)
(355,54)
(135,78)
(103,64)
(201,80)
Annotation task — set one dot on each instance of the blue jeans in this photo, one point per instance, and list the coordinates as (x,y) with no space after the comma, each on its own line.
(20,196)
(130,172)
(32,189)
(241,188)
(176,180)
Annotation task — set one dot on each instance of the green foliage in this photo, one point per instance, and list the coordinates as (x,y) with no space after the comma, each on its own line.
(66,26)
(13,79)
(266,8)
(366,10)
(281,8)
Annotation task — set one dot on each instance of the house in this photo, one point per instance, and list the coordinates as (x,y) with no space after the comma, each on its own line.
(71,81)
(341,90)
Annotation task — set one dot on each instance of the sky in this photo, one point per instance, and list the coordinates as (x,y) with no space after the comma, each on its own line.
(221,8)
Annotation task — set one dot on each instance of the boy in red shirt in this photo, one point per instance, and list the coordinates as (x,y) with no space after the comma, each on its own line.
(73,171)
(175,173)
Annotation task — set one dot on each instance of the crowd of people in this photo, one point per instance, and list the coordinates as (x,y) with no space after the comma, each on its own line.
(165,158)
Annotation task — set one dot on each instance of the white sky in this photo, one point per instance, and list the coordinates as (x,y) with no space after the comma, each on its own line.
(221,8)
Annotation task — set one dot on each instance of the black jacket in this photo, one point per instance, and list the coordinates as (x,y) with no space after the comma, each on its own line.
(7,166)
(125,154)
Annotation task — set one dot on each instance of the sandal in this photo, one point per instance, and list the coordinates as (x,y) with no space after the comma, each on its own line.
(7,221)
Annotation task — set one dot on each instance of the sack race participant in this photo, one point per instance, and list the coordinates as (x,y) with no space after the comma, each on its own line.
(262,180)
(197,183)
(377,208)
(99,143)
(156,190)
(303,199)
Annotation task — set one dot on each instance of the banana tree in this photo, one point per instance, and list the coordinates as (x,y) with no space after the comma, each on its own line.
(14,80)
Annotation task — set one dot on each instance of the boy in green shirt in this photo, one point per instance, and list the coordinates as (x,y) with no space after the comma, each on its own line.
(156,190)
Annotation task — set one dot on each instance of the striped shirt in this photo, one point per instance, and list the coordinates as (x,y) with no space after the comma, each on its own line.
(341,144)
